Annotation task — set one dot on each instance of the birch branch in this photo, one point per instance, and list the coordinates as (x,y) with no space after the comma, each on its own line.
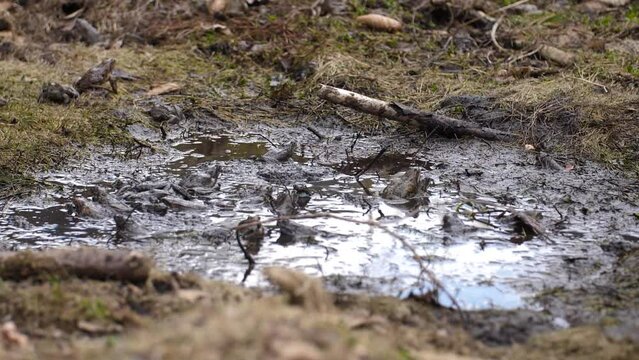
(429,121)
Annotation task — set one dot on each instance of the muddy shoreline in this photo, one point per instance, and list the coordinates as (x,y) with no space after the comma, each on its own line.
(586,214)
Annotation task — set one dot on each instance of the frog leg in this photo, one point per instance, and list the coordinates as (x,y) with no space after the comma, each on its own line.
(114,85)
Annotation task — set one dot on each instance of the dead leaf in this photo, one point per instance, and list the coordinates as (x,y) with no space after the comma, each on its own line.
(164,89)
(379,22)
(12,337)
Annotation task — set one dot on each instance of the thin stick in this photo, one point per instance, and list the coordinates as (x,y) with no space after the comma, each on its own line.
(248,256)
(536,50)
(493,34)
(508,7)
(370,164)
(315,132)
(603,87)
(263,137)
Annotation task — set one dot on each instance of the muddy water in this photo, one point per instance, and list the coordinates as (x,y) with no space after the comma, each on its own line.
(478,261)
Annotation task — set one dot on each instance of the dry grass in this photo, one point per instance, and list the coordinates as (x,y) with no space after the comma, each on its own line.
(178,317)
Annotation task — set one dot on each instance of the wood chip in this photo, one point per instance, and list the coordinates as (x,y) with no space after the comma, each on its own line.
(164,89)
(556,55)
(379,22)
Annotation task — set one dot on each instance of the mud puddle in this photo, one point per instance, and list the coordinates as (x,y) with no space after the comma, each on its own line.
(181,204)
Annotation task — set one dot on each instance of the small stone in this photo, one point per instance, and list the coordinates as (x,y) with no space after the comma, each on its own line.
(3,102)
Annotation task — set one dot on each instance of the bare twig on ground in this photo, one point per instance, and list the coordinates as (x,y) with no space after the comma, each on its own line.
(508,7)
(315,132)
(440,124)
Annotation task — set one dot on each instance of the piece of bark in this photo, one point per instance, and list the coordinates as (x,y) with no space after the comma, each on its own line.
(84,262)
(431,122)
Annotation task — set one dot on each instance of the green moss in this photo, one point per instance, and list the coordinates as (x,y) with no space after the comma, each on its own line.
(94,309)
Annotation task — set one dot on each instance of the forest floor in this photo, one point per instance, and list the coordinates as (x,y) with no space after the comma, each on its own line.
(562,76)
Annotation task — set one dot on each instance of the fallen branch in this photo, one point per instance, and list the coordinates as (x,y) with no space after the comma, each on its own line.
(437,123)
(81,262)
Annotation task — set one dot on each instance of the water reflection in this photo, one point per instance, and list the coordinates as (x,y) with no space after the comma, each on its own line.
(480,267)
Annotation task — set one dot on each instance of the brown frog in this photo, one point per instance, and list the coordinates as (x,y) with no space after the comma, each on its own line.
(280,154)
(57,93)
(97,76)
(250,232)
(407,186)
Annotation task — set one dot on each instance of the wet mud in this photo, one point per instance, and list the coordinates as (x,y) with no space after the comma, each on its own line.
(499,228)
